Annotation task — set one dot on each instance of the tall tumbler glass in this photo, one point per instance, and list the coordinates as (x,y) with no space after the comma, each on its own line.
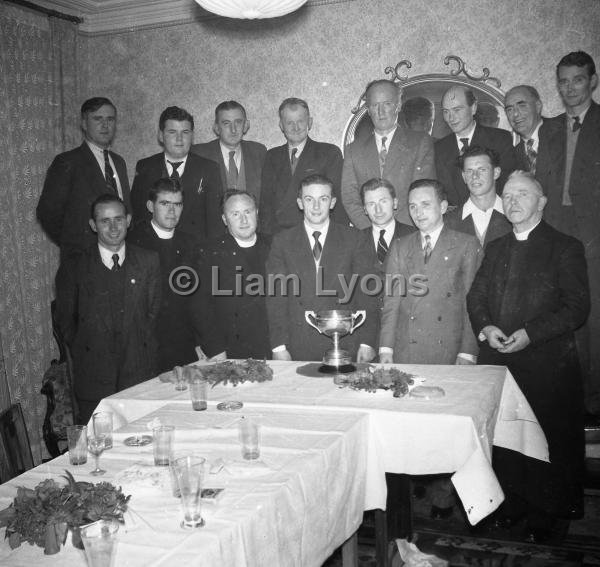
(189,472)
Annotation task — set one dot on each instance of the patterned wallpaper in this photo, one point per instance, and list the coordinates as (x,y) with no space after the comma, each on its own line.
(325,54)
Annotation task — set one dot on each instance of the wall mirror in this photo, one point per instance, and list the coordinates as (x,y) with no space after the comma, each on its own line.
(432,86)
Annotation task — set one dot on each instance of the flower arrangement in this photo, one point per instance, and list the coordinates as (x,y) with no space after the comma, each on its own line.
(43,516)
(373,379)
(234,373)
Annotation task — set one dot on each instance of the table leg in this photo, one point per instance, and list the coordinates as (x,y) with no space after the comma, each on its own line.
(350,551)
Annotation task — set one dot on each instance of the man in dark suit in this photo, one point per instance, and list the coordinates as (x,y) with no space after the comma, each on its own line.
(176,251)
(286,166)
(571,177)
(459,106)
(316,260)
(429,326)
(107,301)
(523,108)
(233,310)
(199,177)
(77,177)
(394,153)
(240,161)
(527,299)
(482,214)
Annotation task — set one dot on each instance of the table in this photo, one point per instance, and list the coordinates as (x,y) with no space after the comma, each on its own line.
(323,445)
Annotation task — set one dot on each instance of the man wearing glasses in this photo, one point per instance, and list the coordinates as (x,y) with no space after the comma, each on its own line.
(175,249)
(391,152)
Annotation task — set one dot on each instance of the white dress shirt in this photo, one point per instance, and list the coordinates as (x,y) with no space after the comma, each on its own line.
(388,139)
(99,155)
(469,137)
(389,232)
(181,167)
(481,219)
(237,158)
(106,255)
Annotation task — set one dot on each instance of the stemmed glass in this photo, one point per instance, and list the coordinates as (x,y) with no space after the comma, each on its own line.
(180,375)
(97,444)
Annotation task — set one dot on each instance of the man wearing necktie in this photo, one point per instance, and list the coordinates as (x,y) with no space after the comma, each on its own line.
(75,178)
(287,165)
(107,301)
(429,326)
(571,179)
(240,161)
(390,152)
(198,177)
(459,106)
(312,262)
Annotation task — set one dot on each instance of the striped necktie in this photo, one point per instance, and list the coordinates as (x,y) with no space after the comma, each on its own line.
(427,250)
(382,247)
(109,174)
(317,248)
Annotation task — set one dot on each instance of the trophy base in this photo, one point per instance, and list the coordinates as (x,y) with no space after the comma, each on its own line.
(342,369)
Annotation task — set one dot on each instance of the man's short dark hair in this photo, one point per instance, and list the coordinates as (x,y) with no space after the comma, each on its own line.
(416,109)
(230,193)
(578,59)
(475,151)
(531,90)
(470,97)
(293,101)
(376,183)
(439,189)
(163,185)
(105,199)
(93,104)
(315,179)
(175,113)
(229,105)
(487,114)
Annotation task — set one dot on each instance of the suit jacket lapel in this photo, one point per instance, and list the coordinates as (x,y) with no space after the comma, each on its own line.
(397,147)
(132,283)
(94,275)
(96,173)
(371,157)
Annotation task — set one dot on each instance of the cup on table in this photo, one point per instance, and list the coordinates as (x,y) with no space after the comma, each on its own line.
(99,541)
(249,436)
(102,422)
(189,472)
(163,444)
(77,444)
(198,391)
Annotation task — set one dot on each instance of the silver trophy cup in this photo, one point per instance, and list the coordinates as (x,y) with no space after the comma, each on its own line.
(335,324)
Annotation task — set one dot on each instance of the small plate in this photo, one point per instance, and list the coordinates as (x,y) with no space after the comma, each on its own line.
(427,392)
(230,406)
(138,440)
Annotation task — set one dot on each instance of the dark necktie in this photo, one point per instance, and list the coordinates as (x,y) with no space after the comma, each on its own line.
(317,248)
(233,171)
(175,165)
(294,160)
(465,145)
(531,155)
(382,247)
(382,155)
(109,174)
(427,249)
(115,259)
(576,123)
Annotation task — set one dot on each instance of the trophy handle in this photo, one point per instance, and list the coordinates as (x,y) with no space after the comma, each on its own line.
(308,315)
(362,315)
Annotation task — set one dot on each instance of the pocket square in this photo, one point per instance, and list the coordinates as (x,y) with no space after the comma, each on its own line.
(200,186)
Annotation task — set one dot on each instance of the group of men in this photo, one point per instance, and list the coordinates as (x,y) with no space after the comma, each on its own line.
(441,242)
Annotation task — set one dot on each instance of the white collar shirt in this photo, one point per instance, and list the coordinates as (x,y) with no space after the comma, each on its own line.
(389,228)
(469,137)
(180,168)
(388,139)
(434,235)
(481,219)
(99,155)
(106,255)
(237,158)
(323,230)
(299,149)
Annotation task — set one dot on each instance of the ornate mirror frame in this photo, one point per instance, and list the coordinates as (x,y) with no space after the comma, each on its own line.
(432,86)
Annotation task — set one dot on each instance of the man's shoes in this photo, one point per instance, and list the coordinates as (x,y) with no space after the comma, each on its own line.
(438,513)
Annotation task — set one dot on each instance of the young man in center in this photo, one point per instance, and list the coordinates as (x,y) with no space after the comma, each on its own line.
(321,257)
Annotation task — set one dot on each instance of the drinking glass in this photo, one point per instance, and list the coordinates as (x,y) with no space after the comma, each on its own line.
(97,444)
(189,472)
(163,444)
(180,376)
(198,392)
(99,541)
(77,441)
(249,435)
(102,422)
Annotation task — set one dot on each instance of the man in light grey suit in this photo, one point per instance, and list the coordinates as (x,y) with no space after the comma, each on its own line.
(240,161)
(430,327)
(394,153)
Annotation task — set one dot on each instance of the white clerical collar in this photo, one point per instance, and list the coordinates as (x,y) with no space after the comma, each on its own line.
(299,148)
(470,207)
(181,167)
(161,232)
(106,255)
(434,235)
(525,234)
(469,136)
(389,228)
(246,243)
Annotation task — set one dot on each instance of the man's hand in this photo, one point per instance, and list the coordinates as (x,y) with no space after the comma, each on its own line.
(282,355)
(386,358)
(516,342)
(495,337)
(460,360)
(365,354)
(222,356)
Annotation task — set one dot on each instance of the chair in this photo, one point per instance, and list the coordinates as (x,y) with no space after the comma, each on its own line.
(57,386)
(14,442)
